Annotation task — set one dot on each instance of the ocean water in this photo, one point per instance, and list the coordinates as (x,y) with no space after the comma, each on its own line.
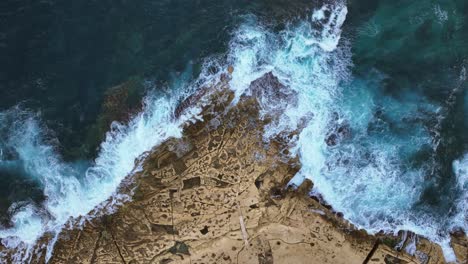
(381,102)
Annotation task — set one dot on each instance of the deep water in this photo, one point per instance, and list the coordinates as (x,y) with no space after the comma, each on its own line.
(382,89)
(59,59)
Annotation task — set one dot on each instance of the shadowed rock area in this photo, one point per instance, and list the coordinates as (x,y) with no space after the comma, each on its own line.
(218,195)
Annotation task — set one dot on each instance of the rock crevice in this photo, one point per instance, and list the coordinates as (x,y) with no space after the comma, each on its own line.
(217,195)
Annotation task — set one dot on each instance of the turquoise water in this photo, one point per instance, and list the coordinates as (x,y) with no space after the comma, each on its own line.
(385,142)
(417,49)
(381,84)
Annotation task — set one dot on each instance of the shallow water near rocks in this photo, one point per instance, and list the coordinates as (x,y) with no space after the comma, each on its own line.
(380,85)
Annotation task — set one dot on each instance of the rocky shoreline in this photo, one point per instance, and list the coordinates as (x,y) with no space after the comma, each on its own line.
(218,195)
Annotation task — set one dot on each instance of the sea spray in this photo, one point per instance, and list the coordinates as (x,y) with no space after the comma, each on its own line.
(460,168)
(354,142)
(363,149)
(295,58)
(71,194)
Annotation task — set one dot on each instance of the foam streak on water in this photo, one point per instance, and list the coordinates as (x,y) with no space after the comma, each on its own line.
(359,146)
(460,168)
(70,194)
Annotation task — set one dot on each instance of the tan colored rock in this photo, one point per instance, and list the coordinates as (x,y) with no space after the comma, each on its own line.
(196,196)
(460,246)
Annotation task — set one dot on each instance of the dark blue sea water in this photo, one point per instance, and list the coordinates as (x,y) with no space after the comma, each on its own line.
(59,58)
(391,74)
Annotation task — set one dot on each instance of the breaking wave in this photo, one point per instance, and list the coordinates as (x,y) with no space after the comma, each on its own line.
(370,155)
(364,150)
(71,192)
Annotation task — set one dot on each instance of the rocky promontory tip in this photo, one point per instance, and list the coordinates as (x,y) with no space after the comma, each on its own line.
(218,195)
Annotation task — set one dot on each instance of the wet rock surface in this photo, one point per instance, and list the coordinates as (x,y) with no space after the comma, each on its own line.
(272,95)
(270,86)
(217,195)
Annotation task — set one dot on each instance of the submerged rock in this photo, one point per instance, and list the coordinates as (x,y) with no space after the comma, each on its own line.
(189,101)
(120,103)
(338,134)
(271,93)
(340,130)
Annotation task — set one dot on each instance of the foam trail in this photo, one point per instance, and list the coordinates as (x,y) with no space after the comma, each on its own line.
(359,146)
(296,59)
(68,193)
(353,143)
(460,167)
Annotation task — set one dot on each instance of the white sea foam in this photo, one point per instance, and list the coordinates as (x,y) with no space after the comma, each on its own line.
(460,168)
(306,60)
(442,15)
(366,176)
(70,194)
(297,59)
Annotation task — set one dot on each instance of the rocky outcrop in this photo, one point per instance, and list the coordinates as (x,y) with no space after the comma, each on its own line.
(272,95)
(218,195)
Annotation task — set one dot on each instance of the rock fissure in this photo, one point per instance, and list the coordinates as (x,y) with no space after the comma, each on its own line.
(93,257)
(204,182)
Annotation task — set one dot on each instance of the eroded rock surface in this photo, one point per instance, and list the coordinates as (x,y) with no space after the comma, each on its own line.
(217,196)
(272,95)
